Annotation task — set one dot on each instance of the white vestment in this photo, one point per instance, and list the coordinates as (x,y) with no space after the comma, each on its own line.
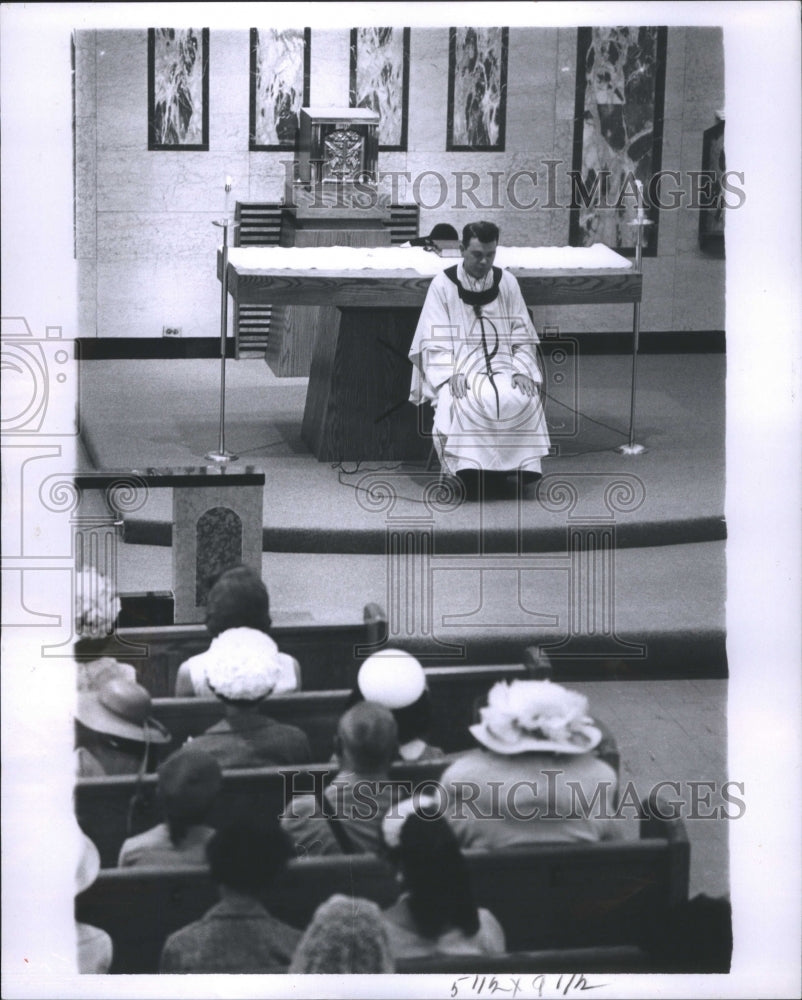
(495,426)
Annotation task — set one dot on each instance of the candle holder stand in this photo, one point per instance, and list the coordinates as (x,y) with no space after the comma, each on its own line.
(221,455)
(632,448)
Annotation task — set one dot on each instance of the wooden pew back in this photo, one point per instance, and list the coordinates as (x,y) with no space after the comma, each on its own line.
(326,652)
(552,896)
(112,808)
(455,693)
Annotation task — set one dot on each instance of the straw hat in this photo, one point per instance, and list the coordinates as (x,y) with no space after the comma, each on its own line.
(391,677)
(121,708)
(536,716)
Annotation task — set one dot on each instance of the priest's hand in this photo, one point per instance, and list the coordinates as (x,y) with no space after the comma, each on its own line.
(524,383)
(458,383)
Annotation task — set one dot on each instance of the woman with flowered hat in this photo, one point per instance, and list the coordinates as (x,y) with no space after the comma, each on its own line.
(536,776)
(97,606)
(241,674)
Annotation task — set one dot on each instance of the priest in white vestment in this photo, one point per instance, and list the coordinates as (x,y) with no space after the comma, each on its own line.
(474,358)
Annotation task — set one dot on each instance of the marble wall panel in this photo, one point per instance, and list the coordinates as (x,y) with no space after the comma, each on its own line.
(266,175)
(530,90)
(687,243)
(138,298)
(329,84)
(698,304)
(675,74)
(122,90)
(669,217)
(559,218)
(658,293)
(428,90)
(704,77)
(85,73)
(85,188)
(157,235)
(229,79)
(168,181)
(87,297)
(565,81)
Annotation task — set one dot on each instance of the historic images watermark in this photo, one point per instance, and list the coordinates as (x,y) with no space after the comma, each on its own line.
(548,185)
(548,796)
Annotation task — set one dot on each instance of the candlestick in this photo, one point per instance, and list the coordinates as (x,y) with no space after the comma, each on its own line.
(641,214)
(228,186)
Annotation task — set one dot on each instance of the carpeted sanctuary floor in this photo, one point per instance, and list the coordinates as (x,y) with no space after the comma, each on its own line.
(500,577)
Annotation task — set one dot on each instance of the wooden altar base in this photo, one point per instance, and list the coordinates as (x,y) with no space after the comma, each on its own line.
(357,402)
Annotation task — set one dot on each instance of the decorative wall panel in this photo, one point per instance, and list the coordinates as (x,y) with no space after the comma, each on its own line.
(280,63)
(380,80)
(477,89)
(618,133)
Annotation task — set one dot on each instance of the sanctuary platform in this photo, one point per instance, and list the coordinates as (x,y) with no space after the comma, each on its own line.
(646,597)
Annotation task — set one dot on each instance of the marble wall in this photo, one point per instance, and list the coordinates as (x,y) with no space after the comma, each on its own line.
(146,246)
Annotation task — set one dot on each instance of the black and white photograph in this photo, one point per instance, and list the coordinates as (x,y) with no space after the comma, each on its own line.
(401,500)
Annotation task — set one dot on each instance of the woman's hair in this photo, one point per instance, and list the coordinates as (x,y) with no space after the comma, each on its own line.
(247,857)
(189,782)
(347,935)
(238,599)
(436,877)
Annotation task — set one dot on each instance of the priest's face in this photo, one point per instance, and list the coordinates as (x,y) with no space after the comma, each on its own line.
(477,258)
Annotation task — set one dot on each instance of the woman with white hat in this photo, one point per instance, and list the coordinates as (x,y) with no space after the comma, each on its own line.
(536,776)
(242,675)
(395,679)
(238,599)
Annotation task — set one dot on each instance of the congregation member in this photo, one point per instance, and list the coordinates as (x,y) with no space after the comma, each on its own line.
(95,947)
(474,357)
(535,776)
(241,674)
(395,679)
(346,818)
(237,935)
(436,913)
(115,732)
(345,937)
(97,607)
(237,600)
(188,784)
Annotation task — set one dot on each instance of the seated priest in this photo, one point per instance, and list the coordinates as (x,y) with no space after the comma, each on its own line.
(474,357)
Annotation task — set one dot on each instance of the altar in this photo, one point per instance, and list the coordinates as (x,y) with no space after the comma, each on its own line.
(357,405)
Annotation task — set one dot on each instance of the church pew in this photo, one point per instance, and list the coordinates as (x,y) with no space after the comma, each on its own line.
(325,651)
(552,896)
(564,961)
(455,691)
(109,809)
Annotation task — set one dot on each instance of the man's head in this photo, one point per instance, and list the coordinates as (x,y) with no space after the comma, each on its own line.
(367,739)
(478,247)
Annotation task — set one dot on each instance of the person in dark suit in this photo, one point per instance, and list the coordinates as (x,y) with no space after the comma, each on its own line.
(237,935)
